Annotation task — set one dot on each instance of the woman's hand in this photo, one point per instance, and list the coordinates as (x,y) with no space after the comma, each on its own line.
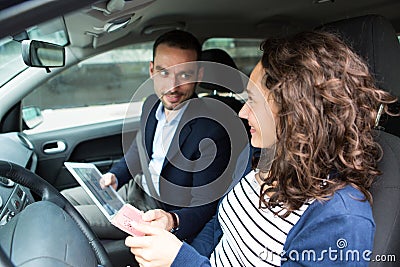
(157,248)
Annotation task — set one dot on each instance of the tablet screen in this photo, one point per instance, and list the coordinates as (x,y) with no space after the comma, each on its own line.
(88,176)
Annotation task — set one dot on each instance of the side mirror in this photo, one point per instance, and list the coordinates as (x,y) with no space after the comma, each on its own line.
(41,54)
(32,116)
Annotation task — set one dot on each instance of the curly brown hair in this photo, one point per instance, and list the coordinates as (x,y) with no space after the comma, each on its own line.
(328,104)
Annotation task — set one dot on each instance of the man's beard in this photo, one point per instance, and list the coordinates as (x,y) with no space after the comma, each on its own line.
(177,105)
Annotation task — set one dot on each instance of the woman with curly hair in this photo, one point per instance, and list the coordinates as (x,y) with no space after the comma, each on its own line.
(312,106)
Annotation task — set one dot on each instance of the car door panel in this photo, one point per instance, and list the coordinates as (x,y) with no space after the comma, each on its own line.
(99,143)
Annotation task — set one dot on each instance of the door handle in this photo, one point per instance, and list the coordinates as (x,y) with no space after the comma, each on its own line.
(53,147)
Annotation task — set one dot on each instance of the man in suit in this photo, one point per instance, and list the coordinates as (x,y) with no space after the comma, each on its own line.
(190,156)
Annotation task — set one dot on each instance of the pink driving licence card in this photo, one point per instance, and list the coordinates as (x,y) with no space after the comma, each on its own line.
(123,218)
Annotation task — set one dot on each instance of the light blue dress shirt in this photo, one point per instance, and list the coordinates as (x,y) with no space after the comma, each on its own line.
(165,131)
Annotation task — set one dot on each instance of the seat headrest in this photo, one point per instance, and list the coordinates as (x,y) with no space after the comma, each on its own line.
(218,56)
(374,39)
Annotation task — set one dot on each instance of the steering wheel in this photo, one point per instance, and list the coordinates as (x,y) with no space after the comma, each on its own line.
(47,192)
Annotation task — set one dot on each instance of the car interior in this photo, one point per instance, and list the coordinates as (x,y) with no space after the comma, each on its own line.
(74,109)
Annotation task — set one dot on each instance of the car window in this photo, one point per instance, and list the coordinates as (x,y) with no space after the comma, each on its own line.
(95,90)
(245,52)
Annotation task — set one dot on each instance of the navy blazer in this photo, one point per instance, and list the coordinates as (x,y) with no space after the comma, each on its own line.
(200,138)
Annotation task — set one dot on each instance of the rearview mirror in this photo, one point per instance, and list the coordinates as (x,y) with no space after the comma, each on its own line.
(32,116)
(43,55)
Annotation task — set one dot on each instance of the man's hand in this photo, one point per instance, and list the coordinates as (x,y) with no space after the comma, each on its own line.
(157,248)
(108,179)
(159,218)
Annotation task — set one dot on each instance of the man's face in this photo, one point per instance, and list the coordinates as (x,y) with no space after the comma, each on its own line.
(174,84)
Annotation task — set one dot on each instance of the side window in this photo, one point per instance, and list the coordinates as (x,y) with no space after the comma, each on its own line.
(245,52)
(95,90)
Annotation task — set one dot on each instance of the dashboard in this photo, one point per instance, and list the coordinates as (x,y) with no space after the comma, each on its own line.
(15,148)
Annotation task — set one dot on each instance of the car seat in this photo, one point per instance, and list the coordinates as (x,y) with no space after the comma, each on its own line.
(218,91)
(374,39)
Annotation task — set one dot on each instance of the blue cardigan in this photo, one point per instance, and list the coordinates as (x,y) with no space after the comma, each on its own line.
(337,232)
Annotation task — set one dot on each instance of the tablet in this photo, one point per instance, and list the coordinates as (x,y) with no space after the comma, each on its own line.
(119,213)
(88,176)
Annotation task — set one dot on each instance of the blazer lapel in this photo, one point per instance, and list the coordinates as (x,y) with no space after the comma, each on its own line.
(151,125)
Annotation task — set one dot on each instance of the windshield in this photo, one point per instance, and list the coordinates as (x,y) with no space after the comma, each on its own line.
(11,63)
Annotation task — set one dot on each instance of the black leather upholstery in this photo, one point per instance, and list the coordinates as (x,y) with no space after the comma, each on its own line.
(374,39)
(386,195)
(45,235)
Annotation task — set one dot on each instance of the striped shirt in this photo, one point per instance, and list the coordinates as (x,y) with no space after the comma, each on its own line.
(251,236)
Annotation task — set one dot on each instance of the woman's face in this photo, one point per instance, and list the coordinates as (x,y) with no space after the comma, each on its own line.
(260,110)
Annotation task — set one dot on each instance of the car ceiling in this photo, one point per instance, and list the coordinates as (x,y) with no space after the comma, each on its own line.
(205,18)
